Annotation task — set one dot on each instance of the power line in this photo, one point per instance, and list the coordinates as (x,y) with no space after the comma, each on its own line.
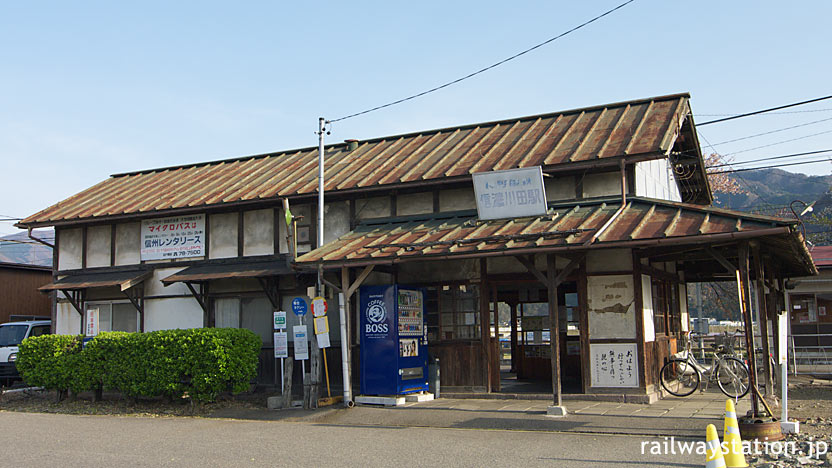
(782,156)
(773,131)
(778,143)
(769,167)
(765,110)
(768,113)
(470,75)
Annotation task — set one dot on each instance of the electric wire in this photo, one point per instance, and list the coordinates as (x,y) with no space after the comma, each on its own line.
(731,171)
(767,113)
(772,131)
(782,156)
(482,70)
(748,114)
(777,143)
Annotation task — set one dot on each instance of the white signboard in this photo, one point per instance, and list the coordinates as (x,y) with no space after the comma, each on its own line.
(322,331)
(319,306)
(281,345)
(511,193)
(177,237)
(92,325)
(280,320)
(614,364)
(782,338)
(301,343)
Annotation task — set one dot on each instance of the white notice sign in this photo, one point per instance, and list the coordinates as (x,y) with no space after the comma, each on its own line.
(614,364)
(92,322)
(510,194)
(281,345)
(301,343)
(280,320)
(178,237)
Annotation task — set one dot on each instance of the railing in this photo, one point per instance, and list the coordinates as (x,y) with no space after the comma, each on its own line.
(815,359)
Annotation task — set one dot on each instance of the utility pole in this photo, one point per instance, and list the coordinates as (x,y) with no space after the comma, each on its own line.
(321,129)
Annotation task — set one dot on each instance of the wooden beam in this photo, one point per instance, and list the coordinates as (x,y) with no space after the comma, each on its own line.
(76,301)
(554,328)
(762,314)
(745,308)
(721,259)
(197,296)
(528,262)
(361,277)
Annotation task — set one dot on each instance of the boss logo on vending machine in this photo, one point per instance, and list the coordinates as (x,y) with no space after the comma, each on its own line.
(376,314)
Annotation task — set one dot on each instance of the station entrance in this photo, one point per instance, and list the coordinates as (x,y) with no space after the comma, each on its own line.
(522,338)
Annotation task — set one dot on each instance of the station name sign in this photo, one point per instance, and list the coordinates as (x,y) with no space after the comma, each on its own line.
(177,237)
(512,193)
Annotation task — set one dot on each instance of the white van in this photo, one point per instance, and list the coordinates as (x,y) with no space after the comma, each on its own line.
(11,334)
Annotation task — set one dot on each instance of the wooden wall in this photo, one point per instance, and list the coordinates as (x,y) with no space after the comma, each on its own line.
(461,364)
(19,293)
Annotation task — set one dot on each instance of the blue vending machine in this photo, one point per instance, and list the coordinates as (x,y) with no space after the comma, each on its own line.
(394,351)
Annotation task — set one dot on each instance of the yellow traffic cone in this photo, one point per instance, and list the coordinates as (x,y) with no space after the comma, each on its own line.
(713,451)
(734,458)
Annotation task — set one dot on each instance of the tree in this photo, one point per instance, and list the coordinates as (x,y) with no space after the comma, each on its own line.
(721,182)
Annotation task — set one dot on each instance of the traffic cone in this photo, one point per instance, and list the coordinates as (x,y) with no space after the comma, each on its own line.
(734,458)
(713,451)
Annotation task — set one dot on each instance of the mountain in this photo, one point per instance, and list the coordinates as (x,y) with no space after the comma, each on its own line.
(769,191)
(19,248)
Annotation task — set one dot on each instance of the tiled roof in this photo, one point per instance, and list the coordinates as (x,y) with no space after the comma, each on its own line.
(644,128)
(643,223)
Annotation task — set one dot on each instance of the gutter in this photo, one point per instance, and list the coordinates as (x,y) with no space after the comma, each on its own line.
(41,241)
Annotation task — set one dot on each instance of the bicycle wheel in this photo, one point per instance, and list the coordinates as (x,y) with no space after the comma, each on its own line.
(732,377)
(679,377)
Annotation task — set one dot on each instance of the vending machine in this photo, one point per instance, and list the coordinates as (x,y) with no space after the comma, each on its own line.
(394,351)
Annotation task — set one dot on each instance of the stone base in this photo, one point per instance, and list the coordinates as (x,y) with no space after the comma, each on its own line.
(556,411)
(790,427)
(395,400)
(418,397)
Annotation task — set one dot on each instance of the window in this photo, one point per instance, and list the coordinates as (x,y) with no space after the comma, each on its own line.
(453,312)
(253,313)
(115,316)
(40,330)
(667,314)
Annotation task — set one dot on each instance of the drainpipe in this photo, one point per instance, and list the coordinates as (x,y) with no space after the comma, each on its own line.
(39,240)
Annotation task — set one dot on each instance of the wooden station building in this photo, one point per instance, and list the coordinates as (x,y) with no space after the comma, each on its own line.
(629,224)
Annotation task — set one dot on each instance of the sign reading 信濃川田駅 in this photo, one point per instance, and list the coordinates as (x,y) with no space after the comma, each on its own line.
(512,193)
(176,237)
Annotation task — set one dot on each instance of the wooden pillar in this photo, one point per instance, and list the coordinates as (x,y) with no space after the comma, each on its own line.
(554,328)
(488,350)
(514,307)
(745,308)
(762,313)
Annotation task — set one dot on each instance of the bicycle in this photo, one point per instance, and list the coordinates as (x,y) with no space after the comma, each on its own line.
(682,375)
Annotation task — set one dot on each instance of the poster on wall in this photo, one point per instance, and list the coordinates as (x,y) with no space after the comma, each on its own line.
(92,322)
(176,237)
(614,364)
(281,345)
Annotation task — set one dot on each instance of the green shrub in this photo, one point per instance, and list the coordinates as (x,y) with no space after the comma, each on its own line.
(202,362)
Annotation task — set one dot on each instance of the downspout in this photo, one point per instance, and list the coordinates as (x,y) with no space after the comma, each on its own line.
(41,241)
(618,212)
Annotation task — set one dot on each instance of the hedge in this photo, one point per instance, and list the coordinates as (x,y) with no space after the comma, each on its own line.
(201,362)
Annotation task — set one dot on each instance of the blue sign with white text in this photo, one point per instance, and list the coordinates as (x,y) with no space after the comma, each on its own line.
(299,306)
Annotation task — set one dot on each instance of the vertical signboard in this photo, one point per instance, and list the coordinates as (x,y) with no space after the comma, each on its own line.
(301,343)
(92,325)
(281,345)
(177,237)
(512,193)
(279,320)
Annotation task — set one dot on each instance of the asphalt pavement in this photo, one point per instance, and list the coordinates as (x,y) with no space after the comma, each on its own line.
(48,440)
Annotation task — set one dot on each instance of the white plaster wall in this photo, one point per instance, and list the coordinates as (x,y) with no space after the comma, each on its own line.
(813,284)
(414,203)
(128,243)
(167,314)
(67,320)
(153,286)
(647,309)
(222,235)
(70,248)
(258,232)
(655,179)
(371,208)
(98,246)
(336,220)
(602,185)
(457,199)
(611,307)
(559,188)
(609,260)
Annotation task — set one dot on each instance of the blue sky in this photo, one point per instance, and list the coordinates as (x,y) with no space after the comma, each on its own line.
(95,88)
